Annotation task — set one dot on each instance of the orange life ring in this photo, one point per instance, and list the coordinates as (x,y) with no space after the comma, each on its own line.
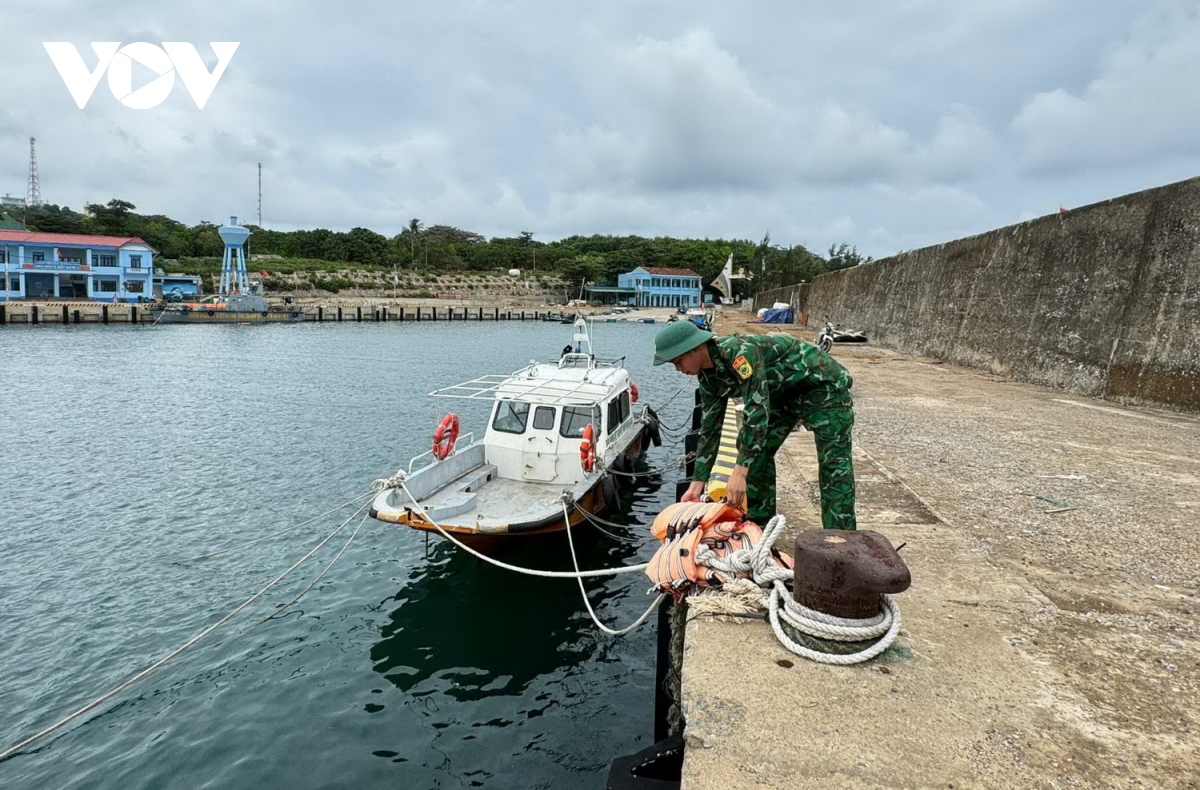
(587,449)
(445,436)
(633,393)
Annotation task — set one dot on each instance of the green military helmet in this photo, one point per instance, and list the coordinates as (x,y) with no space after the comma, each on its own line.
(676,339)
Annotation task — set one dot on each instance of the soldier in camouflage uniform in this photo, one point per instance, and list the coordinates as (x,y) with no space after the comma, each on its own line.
(782,381)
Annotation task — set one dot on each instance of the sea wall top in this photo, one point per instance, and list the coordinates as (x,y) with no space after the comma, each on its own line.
(1102,300)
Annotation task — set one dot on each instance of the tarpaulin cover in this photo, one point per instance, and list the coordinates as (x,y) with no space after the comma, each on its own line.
(777,315)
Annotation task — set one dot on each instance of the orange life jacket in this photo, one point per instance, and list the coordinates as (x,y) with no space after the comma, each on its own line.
(683,528)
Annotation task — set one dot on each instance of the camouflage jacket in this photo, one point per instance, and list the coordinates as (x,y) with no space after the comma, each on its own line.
(771,373)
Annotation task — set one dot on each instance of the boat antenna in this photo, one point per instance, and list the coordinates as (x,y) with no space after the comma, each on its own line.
(581,337)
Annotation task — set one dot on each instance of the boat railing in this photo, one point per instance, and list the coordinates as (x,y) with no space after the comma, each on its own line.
(463,441)
(576,360)
(520,384)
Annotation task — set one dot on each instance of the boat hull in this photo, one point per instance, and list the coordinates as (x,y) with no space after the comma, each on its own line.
(168,316)
(595,501)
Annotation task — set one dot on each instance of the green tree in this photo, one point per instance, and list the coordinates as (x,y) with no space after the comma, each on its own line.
(414,233)
(583,269)
(112,218)
(843,256)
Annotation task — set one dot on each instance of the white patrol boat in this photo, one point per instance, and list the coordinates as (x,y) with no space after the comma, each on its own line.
(557,432)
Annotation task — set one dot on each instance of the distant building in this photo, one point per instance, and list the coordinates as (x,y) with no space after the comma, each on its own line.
(11,201)
(606,294)
(74,266)
(657,287)
(174,284)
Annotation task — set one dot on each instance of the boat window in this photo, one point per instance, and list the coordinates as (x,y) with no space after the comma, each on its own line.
(511,416)
(575,418)
(543,418)
(617,413)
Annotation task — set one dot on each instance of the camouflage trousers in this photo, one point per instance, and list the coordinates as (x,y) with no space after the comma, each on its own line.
(830,417)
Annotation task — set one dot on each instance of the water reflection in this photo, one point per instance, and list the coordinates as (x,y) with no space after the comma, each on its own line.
(470,630)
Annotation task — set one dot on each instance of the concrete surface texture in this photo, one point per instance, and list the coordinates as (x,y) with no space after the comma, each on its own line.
(1102,300)
(1050,637)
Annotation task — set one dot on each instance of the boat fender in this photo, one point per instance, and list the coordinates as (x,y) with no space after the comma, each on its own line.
(655,432)
(608,487)
(210,312)
(445,436)
(587,449)
(633,393)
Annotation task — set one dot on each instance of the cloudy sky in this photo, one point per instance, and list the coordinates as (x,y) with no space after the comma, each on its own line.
(888,125)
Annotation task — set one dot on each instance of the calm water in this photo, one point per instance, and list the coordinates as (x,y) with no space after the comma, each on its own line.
(126,447)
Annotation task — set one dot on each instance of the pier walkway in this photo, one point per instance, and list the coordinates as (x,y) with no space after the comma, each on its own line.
(1051,634)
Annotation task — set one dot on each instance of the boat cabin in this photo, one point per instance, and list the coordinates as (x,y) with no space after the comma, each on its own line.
(539,414)
(536,425)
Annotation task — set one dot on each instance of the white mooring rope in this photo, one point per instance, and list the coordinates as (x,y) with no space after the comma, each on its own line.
(756,563)
(284,531)
(110,694)
(575,561)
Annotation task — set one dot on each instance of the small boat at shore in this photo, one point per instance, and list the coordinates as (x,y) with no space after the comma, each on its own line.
(238,300)
(557,433)
(229,309)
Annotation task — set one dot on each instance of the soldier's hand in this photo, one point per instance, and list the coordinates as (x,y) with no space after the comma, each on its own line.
(735,488)
(694,492)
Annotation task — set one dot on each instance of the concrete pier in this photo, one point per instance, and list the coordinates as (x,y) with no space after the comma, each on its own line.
(1050,637)
(46,312)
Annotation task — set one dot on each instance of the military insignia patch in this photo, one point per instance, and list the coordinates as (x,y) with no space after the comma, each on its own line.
(743,368)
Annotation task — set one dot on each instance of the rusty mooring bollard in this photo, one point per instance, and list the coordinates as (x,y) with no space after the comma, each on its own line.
(843,572)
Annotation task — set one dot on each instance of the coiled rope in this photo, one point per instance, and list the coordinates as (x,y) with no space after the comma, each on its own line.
(148,670)
(757,565)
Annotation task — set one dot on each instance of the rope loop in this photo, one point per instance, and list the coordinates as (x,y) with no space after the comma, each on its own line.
(755,565)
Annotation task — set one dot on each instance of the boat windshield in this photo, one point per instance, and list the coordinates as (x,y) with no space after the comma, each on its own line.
(575,418)
(511,416)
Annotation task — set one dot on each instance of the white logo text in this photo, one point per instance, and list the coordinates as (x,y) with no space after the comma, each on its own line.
(174,57)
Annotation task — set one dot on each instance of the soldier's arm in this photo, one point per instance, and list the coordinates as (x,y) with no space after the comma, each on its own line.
(756,400)
(712,417)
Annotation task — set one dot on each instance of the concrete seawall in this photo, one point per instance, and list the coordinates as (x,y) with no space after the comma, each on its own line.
(1102,300)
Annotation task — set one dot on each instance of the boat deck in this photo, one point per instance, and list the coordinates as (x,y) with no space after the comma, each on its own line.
(500,502)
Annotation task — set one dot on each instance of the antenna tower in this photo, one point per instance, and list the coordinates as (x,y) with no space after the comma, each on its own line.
(260,194)
(34,195)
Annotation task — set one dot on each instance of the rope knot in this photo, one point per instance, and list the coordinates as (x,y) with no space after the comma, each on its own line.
(385,483)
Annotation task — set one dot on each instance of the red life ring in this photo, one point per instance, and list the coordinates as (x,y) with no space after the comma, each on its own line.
(633,393)
(587,449)
(445,436)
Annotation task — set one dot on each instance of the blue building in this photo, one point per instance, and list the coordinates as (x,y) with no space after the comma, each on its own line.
(657,287)
(75,266)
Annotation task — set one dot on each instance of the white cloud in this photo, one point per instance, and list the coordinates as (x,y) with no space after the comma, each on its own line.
(1143,103)
(879,124)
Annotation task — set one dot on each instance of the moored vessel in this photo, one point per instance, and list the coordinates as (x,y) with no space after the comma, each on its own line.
(559,436)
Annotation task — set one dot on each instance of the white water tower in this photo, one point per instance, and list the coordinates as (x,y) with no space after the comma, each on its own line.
(234,280)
